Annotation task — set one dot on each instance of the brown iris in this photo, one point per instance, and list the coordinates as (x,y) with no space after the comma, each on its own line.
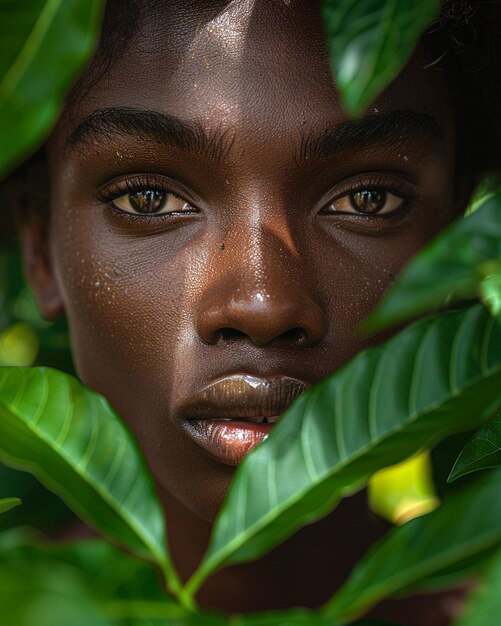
(147,200)
(368,201)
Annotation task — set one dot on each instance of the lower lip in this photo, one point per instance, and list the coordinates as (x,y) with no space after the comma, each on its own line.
(227,441)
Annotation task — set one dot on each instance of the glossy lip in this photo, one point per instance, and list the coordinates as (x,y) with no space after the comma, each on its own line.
(211,417)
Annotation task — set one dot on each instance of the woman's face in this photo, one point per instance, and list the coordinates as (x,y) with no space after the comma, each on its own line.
(219,226)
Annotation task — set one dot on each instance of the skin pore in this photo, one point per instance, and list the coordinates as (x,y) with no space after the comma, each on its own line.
(214,212)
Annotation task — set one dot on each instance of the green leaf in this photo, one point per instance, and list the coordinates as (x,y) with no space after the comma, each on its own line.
(484,605)
(6,504)
(40,595)
(439,376)
(43,46)
(41,508)
(402,492)
(124,588)
(453,266)
(73,441)
(371,41)
(486,188)
(483,451)
(468,524)
(490,292)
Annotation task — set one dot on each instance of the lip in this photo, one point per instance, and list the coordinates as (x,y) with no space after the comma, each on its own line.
(211,418)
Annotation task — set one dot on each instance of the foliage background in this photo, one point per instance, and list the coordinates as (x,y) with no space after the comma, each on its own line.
(93,582)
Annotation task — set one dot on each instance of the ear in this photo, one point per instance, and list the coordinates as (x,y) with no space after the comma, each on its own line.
(27,193)
(38,268)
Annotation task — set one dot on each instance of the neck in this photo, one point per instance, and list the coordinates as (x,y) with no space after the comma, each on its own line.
(303,571)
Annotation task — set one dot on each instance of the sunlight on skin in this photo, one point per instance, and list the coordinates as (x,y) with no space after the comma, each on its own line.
(226,31)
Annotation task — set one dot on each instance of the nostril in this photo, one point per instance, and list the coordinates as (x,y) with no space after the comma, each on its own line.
(229,335)
(294,336)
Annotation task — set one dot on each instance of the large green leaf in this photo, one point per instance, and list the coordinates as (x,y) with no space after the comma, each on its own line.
(73,441)
(466,527)
(484,606)
(44,44)
(454,266)
(441,375)
(6,504)
(370,42)
(483,451)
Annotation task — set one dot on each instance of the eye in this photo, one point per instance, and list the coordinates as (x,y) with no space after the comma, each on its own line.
(151,202)
(365,202)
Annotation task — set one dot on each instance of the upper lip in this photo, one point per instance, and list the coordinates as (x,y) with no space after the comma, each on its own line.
(243,396)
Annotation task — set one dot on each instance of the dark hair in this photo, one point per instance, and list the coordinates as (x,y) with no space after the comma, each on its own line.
(466,45)
(467,40)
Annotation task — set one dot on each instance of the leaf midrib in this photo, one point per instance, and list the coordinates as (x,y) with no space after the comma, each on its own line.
(253,530)
(471,466)
(14,75)
(105,495)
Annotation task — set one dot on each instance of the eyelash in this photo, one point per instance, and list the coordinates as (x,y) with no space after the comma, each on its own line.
(404,190)
(132,184)
(375,182)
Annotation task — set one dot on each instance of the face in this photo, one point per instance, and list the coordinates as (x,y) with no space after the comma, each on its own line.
(219,226)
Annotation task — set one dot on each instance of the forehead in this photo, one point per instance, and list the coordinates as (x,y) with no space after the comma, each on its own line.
(258,69)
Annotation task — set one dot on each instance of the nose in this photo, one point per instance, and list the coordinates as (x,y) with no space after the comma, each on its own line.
(260,295)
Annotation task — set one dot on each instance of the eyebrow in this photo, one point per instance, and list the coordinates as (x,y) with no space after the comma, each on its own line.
(377,129)
(104,124)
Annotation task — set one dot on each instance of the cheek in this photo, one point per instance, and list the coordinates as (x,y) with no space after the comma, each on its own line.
(128,303)
(131,307)
(359,270)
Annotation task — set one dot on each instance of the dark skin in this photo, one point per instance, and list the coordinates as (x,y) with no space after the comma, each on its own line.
(267,262)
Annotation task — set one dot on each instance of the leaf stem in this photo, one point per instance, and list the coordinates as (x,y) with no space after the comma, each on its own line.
(175,587)
(196,581)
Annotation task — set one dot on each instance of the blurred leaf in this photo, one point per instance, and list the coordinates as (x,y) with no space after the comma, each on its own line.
(466,525)
(484,605)
(289,617)
(125,589)
(483,451)
(453,266)
(41,508)
(402,492)
(18,345)
(46,596)
(371,41)
(490,292)
(72,440)
(18,307)
(6,504)
(438,376)
(44,44)
(372,622)
(486,188)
